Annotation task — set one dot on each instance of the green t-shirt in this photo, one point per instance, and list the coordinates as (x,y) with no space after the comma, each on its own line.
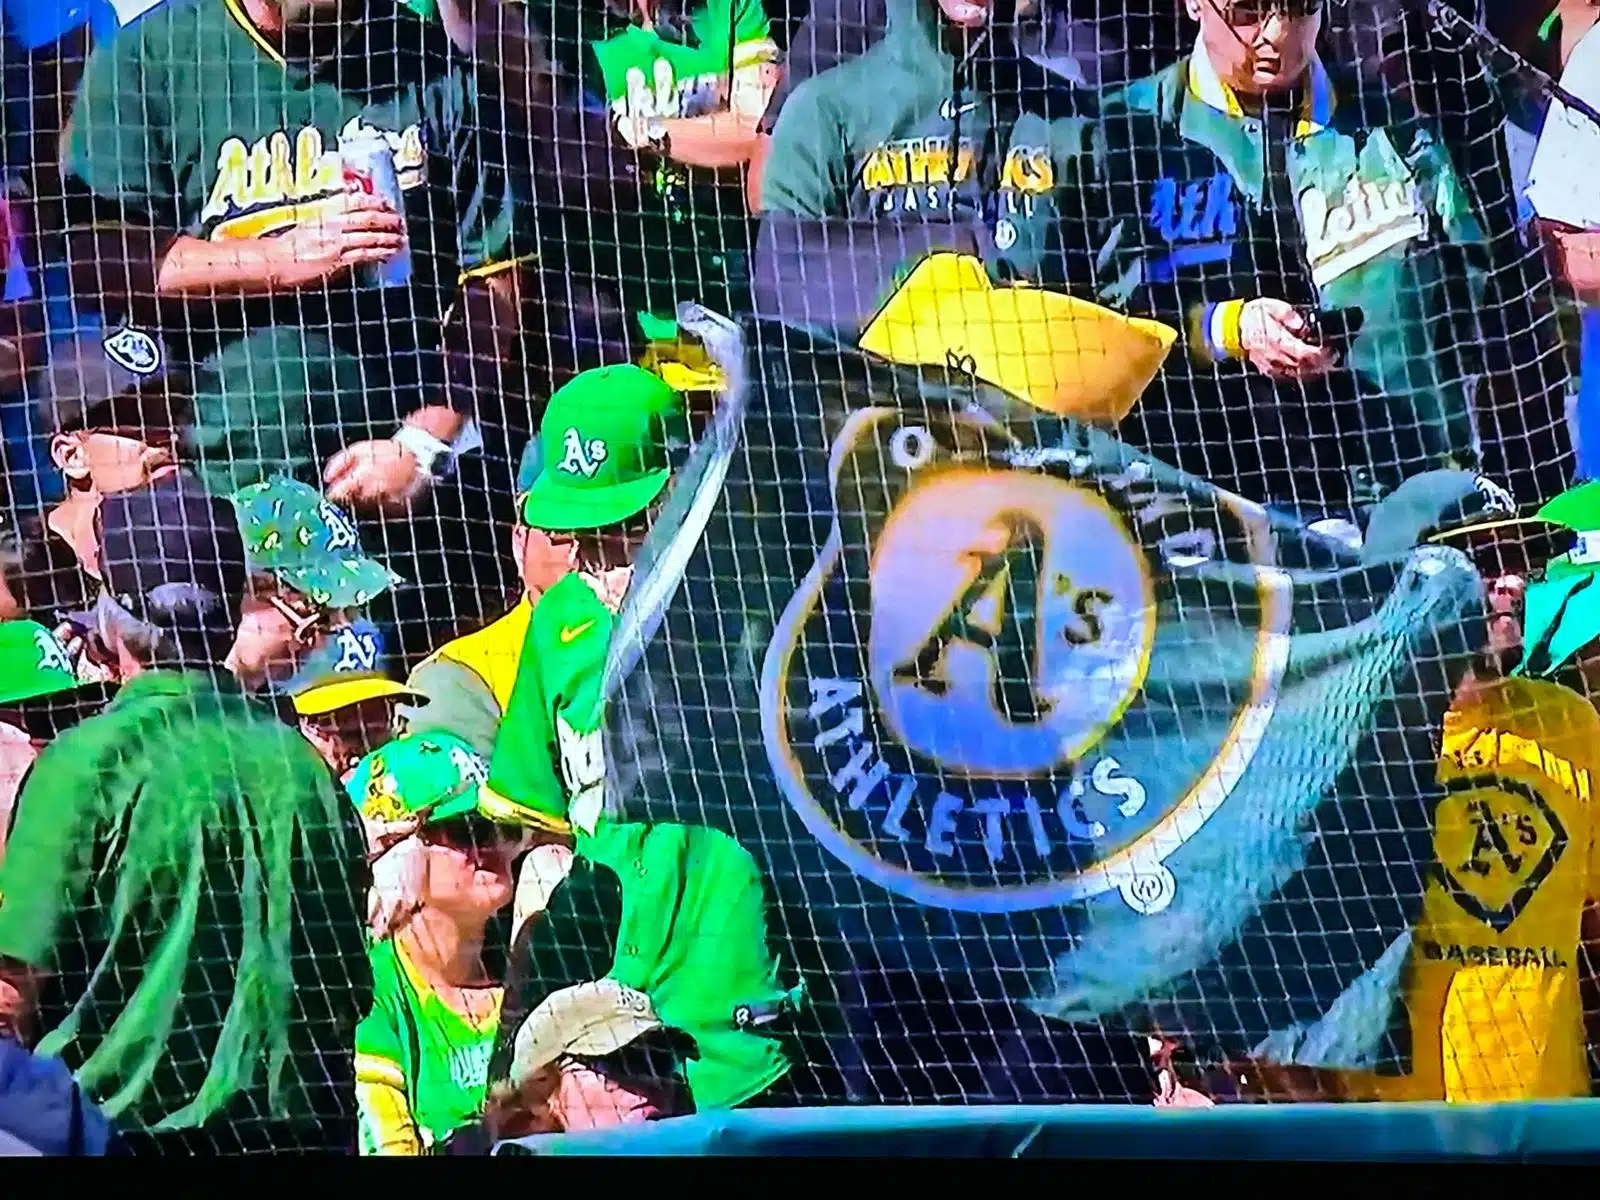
(686,242)
(548,767)
(190,121)
(188,876)
(412,1041)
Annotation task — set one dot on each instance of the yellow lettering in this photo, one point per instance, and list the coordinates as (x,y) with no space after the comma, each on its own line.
(280,178)
(1583,785)
(876,172)
(965,158)
(316,169)
(258,186)
(229,190)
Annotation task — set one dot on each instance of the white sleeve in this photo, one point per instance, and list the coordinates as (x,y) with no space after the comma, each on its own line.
(1562,182)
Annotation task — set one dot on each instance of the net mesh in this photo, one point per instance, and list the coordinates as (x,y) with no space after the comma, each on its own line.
(1048,601)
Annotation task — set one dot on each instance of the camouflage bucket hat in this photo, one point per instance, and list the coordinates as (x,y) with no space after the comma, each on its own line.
(293,532)
(435,774)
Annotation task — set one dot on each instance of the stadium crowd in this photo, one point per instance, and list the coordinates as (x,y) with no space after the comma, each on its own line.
(311,561)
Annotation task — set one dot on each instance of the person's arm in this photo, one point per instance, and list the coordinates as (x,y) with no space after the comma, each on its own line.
(131,245)
(384,1118)
(45,874)
(727,138)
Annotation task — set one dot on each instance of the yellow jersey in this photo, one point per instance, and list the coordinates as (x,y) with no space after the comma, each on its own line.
(1493,981)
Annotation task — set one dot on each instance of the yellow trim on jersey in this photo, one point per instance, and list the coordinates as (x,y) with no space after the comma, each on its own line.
(386,1124)
(494,268)
(508,812)
(493,652)
(374,1068)
(236,11)
(270,220)
(758,50)
(422,987)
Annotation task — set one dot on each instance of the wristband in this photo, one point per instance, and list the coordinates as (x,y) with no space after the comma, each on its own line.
(438,459)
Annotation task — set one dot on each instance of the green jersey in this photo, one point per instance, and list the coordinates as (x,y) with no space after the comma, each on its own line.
(677,912)
(185,872)
(421,1067)
(684,245)
(554,775)
(191,121)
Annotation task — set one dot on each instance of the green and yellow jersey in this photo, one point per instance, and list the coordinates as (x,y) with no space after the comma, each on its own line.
(1493,989)
(193,121)
(421,1067)
(555,777)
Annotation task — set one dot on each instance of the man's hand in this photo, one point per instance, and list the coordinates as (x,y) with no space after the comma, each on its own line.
(1272,333)
(350,229)
(378,476)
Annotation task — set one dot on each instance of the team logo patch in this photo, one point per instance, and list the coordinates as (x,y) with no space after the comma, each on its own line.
(356,649)
(341,529)
(580,457)
(52,655)
(134,350)
(957,700)
(382,799)
(1497,842)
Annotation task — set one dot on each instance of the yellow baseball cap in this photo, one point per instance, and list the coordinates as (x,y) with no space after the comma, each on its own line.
(341,691)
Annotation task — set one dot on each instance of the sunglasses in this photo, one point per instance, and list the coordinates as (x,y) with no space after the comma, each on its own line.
(472,834)
(1243,14)
(307,626)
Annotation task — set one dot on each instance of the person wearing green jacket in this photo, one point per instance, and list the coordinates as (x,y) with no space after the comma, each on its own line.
(929,141)
(659,930)
(1313,241)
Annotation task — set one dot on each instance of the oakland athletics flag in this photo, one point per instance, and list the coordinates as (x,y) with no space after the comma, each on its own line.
(999,702)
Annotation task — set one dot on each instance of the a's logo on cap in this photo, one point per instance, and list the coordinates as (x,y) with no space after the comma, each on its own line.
(580,457)
(341,530)
(52,655)
(357,650)
(135,350)
(468,766)
(382,801)
(1495,498)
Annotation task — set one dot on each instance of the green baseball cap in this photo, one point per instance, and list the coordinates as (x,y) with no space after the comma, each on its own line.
(293,532)
(37,684)
(32,663)
(601,449)
(433,773)
(1561,612)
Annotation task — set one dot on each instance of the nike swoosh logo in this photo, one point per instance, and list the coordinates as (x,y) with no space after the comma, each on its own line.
(568,635)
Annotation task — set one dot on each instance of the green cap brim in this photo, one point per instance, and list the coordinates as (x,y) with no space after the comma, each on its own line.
(1567,611)
(42,685)
(1509,544)
(456,806)
(550,504)
(349,583)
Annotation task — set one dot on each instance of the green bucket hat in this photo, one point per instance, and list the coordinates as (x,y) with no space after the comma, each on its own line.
(1562,611)
(293,532)
(434,773)
(601,450)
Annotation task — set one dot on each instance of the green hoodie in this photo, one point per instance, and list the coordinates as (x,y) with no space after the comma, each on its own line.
(904,145)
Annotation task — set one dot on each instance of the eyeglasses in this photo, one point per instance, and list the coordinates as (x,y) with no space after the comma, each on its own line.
(307,626)
(1243,14)
(472,834)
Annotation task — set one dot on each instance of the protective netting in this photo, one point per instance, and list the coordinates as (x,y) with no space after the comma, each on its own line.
(1084,624)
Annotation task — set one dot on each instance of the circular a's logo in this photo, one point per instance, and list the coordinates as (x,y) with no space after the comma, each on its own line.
(1012,622)
(1015,680)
